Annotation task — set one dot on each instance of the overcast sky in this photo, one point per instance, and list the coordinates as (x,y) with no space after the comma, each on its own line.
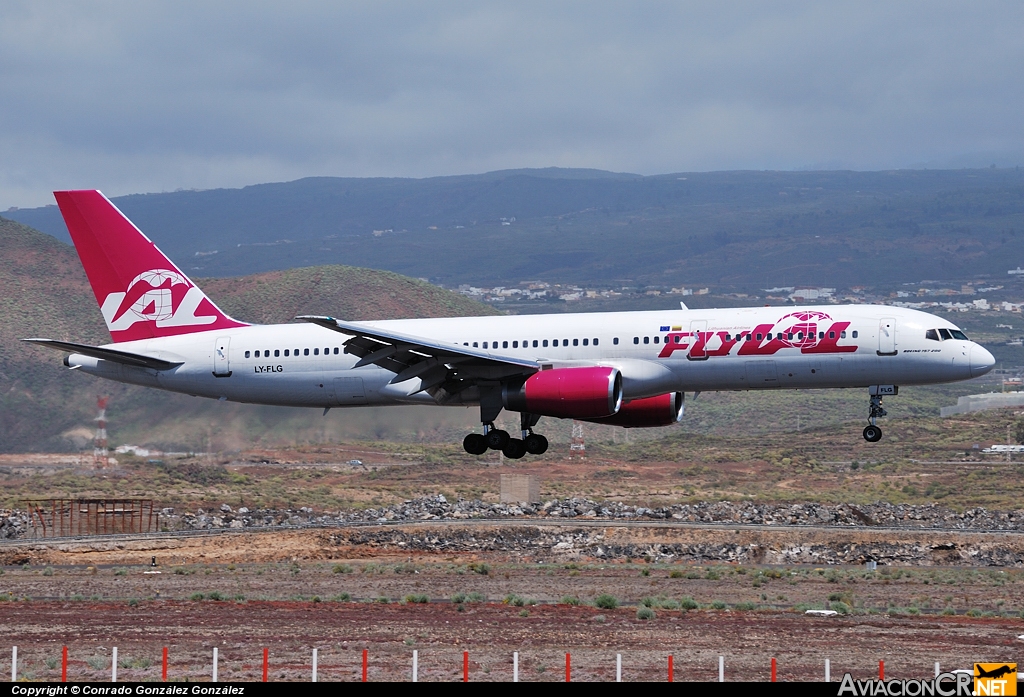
(137,96)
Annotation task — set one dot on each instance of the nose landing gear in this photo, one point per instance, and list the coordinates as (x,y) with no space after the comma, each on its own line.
(872,433)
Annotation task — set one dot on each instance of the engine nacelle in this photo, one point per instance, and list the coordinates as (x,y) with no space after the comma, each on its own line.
(663,410)
(571,393)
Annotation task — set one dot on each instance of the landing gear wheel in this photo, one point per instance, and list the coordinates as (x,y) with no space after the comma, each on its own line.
(872,434)
(536,444)
(475,444)
(497,439)
(514,449)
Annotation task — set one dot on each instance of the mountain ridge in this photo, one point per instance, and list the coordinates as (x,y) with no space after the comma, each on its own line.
(738,230)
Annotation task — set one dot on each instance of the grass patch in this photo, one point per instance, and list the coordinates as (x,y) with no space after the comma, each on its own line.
(644,613)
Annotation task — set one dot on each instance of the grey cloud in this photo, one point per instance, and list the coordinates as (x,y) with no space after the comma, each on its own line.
(137,96)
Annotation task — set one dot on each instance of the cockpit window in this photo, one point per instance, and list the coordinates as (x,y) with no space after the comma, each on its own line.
(957,334)
(931,334)
(945,334)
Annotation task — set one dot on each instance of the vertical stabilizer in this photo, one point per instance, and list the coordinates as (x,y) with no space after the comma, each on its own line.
(141,293)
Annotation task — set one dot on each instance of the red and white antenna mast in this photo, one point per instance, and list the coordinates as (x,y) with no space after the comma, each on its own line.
(100,452)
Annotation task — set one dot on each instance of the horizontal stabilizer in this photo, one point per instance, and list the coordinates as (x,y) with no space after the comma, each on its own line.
(107,354)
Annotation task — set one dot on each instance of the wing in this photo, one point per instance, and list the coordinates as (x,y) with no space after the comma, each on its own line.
(443,368)
(124,357)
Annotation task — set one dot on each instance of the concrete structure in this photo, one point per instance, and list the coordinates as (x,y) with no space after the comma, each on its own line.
(516,488)
(981,402)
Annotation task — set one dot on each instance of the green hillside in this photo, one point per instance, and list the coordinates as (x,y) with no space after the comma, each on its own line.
(44,292)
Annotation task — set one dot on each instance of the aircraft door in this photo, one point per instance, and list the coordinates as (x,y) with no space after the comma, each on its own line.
(761,374)
(887,336)
(349,391)
(221,363)
(698,337)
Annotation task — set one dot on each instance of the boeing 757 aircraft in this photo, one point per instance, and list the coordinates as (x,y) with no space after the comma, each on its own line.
(627,369)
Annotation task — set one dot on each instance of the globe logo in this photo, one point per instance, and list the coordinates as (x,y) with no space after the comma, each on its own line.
(805,331)
(154,295)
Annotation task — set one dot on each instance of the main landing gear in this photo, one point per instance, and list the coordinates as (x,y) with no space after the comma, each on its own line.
(513,448)
(872,433)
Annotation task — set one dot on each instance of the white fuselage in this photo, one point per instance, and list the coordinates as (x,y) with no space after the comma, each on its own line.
(656,352)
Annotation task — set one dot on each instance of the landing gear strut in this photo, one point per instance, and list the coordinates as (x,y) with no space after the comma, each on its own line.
(872,433)
(533,443)
(513,448)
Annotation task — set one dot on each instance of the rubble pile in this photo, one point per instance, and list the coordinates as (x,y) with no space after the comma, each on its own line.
(571,543)
(725,512)
(13,524)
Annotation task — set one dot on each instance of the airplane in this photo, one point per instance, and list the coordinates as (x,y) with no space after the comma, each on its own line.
(629,369)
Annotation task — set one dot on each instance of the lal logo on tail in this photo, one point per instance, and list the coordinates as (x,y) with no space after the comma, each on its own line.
(159,295)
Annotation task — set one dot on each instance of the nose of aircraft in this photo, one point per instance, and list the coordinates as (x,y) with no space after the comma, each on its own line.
(981,360)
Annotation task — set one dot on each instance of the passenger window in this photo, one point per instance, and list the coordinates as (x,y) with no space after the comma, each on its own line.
(515,344)
(759,337)
(842,335)
(305,352)
(335,350)
(277,352)
(296,352)
(831,335)
(504,344)
(854,333)
(545,343)
(565,342)
(615,341)
(647,339)
(821,335)
(595,341)
(286,352)
(316,352)
(257,354)
(636,340)
(575,342)
(789,336)
(944,333)
(728,337)
(494,344)
(957,334)
(465,343)
(535,343)
(475,345)
(657,339)
(246,354)
(586,342)
(931,334)
(666,339)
